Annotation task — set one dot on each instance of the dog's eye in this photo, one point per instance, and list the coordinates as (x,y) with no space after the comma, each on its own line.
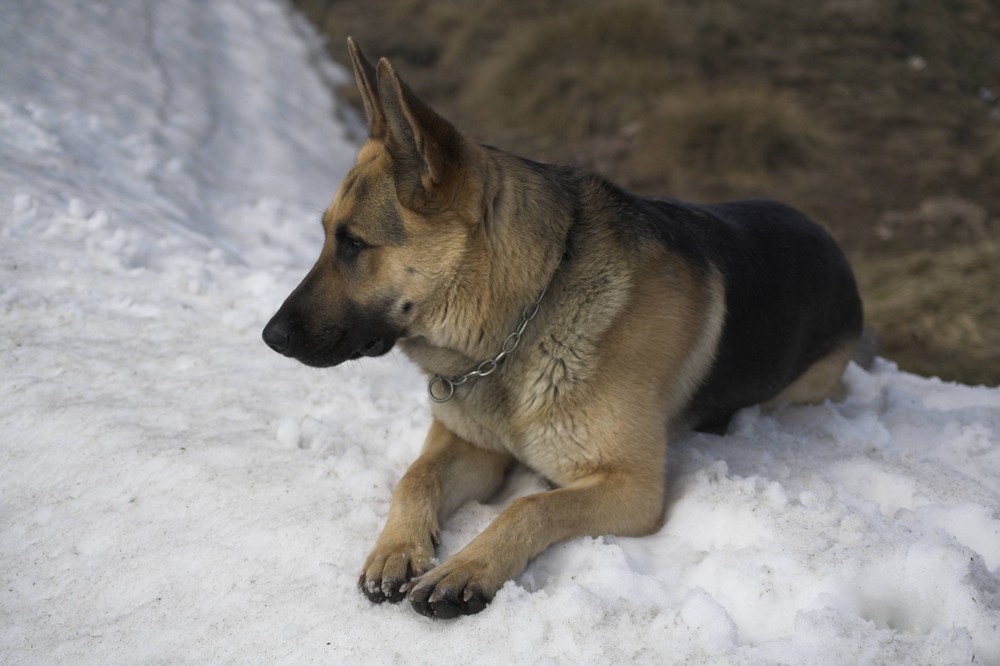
(348,246)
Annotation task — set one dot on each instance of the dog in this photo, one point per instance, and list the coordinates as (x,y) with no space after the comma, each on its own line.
(562,323)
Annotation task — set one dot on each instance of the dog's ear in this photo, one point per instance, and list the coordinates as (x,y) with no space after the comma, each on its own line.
(365,77)
(426,149)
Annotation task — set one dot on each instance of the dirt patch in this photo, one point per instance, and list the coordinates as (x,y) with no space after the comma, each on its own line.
(933,311)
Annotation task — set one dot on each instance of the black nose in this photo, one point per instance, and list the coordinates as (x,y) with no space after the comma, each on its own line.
(278,334)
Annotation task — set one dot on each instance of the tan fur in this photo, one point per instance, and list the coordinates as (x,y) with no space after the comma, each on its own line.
(448,473)
(821,381)
(594,426)
(460,239)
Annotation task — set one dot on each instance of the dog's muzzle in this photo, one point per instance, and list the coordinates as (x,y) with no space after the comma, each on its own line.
(324,347)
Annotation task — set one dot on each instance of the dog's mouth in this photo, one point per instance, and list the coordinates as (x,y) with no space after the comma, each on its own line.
(372,348)
(330,355)
(326,347)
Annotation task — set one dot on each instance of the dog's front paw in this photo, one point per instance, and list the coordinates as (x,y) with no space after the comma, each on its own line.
(387,569)
(450,590)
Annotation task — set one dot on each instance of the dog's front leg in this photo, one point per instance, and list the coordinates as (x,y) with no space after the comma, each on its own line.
(449,472)
(613,502)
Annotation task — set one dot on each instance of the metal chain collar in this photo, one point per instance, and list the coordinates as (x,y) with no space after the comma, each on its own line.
(488,367)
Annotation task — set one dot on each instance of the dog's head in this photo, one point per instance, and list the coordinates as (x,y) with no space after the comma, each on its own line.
(399,226)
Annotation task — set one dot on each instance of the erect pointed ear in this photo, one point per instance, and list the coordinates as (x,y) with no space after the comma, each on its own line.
(364,76)
(427,151)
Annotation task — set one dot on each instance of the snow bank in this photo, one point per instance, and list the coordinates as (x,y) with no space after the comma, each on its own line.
(173,492)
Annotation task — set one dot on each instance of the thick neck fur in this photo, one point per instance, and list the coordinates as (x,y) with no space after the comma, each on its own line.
(510,258)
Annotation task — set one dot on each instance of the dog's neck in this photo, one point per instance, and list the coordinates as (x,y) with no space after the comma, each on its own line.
(511,265)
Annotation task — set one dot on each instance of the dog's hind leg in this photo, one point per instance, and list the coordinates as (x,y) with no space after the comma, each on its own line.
(820,381)
(448,473)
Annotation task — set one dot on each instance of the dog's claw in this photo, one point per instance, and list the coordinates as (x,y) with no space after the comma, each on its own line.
(445,609)
(371,589)
(474,603)
(418,599)
(442,603)
(389,589)
(385,586)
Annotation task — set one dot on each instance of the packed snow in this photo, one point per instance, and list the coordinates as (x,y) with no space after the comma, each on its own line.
(171,491)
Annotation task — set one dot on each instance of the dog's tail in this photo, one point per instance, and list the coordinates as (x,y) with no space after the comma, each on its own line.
(867,349)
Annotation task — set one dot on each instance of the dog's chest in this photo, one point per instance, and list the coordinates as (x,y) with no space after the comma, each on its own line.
(546,438)
(481,428)
(537,406)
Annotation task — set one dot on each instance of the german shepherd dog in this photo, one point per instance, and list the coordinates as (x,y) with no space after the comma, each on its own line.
(562,322)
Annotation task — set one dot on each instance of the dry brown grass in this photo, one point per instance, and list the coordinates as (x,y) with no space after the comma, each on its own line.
(937,311)
(989,162)
(588,70)
(746,136)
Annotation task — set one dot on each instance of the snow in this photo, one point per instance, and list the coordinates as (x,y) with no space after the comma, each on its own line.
(173,492)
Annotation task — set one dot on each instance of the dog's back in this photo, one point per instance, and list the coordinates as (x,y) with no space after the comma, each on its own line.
(790,296)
